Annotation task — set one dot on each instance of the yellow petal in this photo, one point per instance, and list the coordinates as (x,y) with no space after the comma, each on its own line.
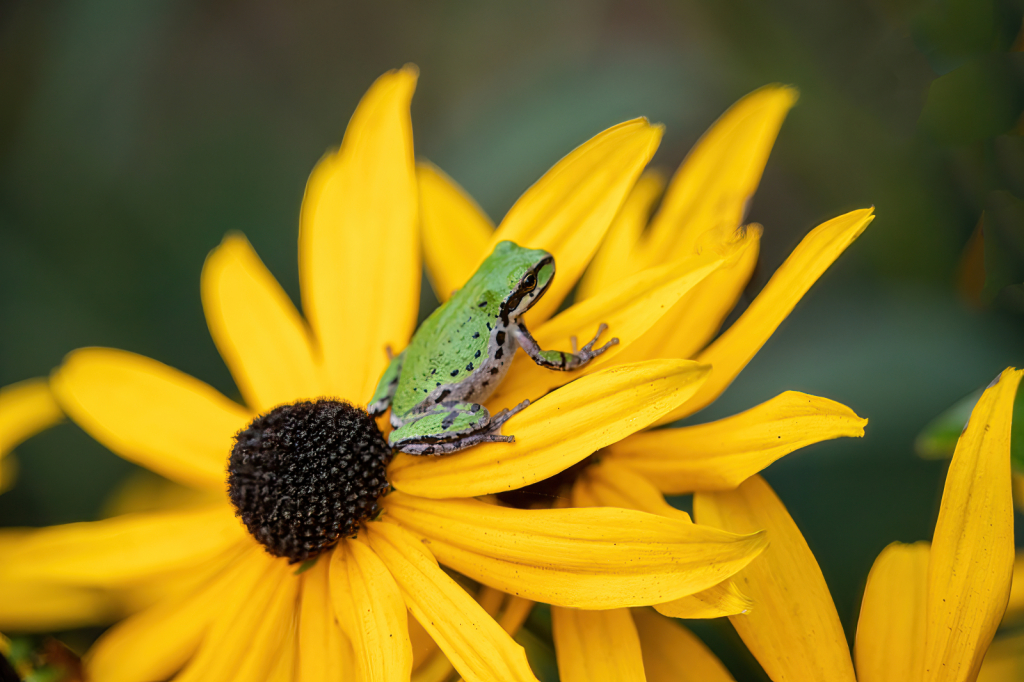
(359,260)
(256,614)
(972,550)
(614,259)
(371,610)
(1004,661)
(793,630)
(713,187)
(126,548)
(724,599)
(424,648)
(273,640)
(568,211)
(596,646)
(674,654)
(1015,607)
(325,653)
(27,606)
(455,230)
(436,667)
(731,351)
(629,310)
(722,454)
(258,331)
(476,645)
(155,643)
(694,320)
(890,631)
(151,414)
(610,484)
(594,558)
(557,431)
(26,408)
(286,666)
(515,613)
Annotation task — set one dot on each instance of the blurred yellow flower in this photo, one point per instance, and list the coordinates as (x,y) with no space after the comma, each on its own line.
(929,611)
(26,408)
(665,286)
(222,606)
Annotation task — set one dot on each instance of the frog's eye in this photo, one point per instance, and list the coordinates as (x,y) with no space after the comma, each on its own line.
(530,282)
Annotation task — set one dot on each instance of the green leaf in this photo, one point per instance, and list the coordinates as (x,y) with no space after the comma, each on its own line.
(938,439)
(540,654)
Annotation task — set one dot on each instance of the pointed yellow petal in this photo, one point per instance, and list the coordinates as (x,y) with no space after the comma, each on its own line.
(126,548)
(1015,607)
(972,550)
(557,431)
(26,408)
(476,645)
(722,454)
(890,632)
(696,318)
(629,310)
(151,414)
(793,629)
(325,653)
(731,351)
(724,599)
(713,187)
(155,643)
(596,646)
(455,230)
(371,610)
(27,606)
(615,258)
(674,654)
(255,616)
(568,211)
(359,260)
(594,558)
(612,485)
(514,611)
(1004,661)
(257,329)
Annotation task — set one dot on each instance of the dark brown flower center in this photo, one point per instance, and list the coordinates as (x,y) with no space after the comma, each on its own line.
(306,474)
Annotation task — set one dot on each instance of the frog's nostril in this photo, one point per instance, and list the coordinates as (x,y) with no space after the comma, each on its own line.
(306,474)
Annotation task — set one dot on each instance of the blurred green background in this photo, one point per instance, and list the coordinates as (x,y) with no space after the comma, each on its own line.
(134,135)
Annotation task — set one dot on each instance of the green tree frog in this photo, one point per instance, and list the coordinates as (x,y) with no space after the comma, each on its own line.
(461,353)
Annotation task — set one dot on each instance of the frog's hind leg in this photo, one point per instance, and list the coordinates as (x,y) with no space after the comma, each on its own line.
(450,426)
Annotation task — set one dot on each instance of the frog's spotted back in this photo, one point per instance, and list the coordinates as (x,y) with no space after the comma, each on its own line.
(461,353)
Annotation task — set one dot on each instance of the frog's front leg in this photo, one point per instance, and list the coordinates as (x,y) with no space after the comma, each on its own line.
(556,359)
(451,426)
(387,385)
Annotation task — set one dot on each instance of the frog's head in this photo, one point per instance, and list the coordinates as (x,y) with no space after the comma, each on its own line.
(526,275)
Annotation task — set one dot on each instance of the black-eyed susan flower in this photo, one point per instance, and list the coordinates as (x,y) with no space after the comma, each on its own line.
(929,611)
(26,408)
(319,579)
(666,284)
